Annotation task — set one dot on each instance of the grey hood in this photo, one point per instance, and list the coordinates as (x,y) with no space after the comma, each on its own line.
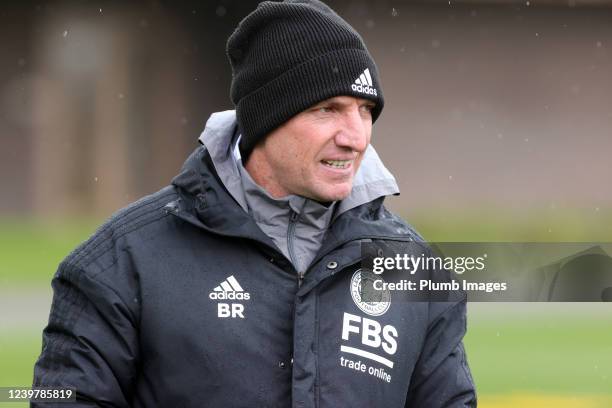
(372,180)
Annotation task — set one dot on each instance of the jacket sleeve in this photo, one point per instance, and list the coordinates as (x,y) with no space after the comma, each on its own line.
(90,343)
(442,377)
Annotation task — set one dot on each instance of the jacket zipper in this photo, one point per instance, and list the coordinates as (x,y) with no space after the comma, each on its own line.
(293,218)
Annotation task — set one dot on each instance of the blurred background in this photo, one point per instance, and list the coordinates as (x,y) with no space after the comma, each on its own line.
(497,125)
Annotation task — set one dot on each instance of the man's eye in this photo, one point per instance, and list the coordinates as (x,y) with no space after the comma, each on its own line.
(367,108)
(325,109)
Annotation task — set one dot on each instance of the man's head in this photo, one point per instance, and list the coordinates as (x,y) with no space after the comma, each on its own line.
(287,58)
(317,152)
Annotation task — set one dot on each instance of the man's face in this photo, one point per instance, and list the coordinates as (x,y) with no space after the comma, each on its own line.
(316,153)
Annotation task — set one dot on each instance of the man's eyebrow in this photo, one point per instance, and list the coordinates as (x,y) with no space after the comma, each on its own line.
(340,104)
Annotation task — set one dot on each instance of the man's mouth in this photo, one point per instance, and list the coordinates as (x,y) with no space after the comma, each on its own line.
(337,164)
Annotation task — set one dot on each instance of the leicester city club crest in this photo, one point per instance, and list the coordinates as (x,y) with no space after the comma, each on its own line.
(375,302)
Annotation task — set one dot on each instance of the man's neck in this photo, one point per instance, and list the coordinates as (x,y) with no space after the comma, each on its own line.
(260,171)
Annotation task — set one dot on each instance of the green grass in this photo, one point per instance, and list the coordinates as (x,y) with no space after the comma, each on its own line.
(552,354)
(18,353)
(30,251)
(496,225)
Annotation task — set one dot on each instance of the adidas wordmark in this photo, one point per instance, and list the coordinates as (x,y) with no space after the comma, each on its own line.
(229,289)
(363,83)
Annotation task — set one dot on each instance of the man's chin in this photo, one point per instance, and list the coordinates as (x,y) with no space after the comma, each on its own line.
(335,193)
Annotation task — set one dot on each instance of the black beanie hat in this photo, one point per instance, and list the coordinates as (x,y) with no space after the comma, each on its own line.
(286,57)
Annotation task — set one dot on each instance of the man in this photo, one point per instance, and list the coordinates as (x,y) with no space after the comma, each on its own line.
(236,285)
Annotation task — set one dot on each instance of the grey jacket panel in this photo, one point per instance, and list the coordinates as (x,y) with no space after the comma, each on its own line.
(295,224)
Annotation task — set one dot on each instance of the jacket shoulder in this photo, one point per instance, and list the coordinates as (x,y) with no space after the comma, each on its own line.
(149,209)
(401,225)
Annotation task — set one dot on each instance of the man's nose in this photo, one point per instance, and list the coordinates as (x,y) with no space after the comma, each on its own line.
(353,131)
